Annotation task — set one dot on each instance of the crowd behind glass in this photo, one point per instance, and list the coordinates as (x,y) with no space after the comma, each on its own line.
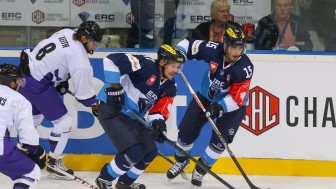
(317,16)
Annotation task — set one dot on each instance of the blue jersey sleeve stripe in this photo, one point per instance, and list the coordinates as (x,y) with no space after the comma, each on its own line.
(112,77)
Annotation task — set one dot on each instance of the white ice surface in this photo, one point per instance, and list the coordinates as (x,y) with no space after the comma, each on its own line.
(159,181)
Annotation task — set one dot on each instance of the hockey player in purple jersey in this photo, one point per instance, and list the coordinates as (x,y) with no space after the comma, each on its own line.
(142,85)
(22,166)
(47,69)
(223,93)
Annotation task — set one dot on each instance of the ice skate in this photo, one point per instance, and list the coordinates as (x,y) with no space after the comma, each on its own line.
(103,183)
(197,177)
(177,168)
(131,186)
(59,164)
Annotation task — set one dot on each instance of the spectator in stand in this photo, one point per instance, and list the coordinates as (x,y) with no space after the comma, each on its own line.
(141,33)
(220,20)
(282,30)
(326,17)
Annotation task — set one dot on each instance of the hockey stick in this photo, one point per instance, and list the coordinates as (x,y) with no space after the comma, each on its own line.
(183,175)
(252,186)
(183,152)
(85,183)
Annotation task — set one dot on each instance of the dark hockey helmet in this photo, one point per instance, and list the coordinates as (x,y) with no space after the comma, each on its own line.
(91,30)
(167,52)
(234,37)
(8,73)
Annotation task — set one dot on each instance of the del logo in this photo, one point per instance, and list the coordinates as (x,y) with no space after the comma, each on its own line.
(151,80)
(78,2)
(84,16)
(213,66)
(262,112)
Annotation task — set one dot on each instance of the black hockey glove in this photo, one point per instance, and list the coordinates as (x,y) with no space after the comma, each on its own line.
(115,98)
(36,153)
(159,130)
(215,110)
(63,87)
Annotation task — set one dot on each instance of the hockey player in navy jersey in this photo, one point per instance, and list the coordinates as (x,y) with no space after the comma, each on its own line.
(47,69)
(22,166)
(142,85)
(223,93)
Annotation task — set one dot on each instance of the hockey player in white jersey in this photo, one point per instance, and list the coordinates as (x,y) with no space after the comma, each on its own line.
(51,63)
(22,166)
(223,93)
(142,85)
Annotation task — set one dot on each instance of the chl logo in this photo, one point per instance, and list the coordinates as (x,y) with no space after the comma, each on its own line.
(78,3)
(38,17)
(262,113)
(129,18)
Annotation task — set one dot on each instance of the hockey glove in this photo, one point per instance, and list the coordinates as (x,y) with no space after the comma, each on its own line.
(115,98)
(63,87)
(215,110)
(159,130)
(36,153)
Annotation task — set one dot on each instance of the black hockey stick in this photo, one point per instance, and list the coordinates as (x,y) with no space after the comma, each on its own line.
(83,182)
(252,186)
(183,175)
(183,152)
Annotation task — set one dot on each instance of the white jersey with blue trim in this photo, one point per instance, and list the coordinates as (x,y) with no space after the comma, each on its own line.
(16,111)
(140,77)
(57,57)
(226,84)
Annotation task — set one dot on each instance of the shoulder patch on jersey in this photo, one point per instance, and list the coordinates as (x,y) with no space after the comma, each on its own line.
(134,62)
(195,46)
(213,66)
(151,80)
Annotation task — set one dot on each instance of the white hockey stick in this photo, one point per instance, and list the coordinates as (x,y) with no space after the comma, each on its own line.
(83,182)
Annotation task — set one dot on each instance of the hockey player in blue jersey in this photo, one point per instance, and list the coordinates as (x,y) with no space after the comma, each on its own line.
(22,166)
(223,93)
(142,85)
(47,69)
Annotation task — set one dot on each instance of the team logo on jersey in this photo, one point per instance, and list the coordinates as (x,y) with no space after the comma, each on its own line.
(228,77)
(84,16)
(151,80)
(213,66)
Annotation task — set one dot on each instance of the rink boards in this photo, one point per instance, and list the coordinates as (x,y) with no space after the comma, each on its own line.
(289,128)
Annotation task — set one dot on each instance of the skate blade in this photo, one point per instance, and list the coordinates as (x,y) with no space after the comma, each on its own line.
(184,176)
(58,177)
(194,187)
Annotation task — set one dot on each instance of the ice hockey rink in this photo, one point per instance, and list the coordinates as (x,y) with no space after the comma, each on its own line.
(159,181)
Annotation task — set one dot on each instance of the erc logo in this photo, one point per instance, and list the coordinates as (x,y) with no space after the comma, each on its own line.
(38,16)
(262,113)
